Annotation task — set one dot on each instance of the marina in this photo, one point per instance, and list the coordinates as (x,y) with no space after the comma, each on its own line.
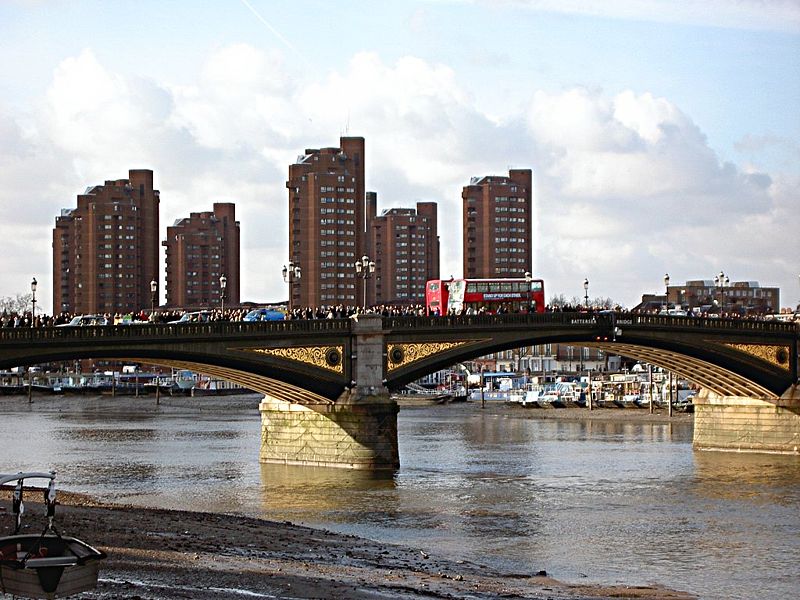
(638,389)
(128,382)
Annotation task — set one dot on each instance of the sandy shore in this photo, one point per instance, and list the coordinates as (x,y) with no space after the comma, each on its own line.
(621,415)
(160,554)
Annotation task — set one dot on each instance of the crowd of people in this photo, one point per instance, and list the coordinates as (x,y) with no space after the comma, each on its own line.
(14,319)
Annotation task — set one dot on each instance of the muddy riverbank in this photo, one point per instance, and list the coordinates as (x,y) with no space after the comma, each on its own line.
(162,554)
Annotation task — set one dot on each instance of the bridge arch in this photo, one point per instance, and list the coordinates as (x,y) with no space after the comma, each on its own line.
(255,355)
(729,358)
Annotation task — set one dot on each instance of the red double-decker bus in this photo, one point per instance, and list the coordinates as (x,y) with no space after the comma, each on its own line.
(490,296)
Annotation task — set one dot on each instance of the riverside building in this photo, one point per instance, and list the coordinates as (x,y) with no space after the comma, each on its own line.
(405,245)
(721,294)
(327,224)
(105,251)
(200,249)
(497,227)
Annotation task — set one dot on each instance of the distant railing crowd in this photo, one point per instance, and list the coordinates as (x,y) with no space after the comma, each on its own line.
(14,319)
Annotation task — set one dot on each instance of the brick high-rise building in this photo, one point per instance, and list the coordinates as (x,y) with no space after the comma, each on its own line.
(405,246)
(498,234)
(105,251)
(327,223)
(200,249)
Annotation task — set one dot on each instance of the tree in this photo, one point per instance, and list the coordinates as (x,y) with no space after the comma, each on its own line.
(19,304)
(558,300)
(601,302)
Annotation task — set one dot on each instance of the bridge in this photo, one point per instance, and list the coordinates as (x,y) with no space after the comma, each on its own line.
(327,382)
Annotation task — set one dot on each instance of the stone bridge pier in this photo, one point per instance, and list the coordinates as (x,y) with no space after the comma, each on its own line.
(745,424)
(357,431)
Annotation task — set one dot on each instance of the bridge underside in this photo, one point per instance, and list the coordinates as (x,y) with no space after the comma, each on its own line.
(737,366)
(258,383)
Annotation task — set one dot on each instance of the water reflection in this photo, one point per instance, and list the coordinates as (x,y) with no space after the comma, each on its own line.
(762,478)
(107,435)
(289,489)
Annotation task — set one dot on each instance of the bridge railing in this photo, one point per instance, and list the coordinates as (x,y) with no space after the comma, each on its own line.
(343,326)
(588,319)
(448,321)
(160,331)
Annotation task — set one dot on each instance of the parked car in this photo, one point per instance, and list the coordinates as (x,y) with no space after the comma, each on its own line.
(130,320)
(85,321)
(265,314)
(198,316)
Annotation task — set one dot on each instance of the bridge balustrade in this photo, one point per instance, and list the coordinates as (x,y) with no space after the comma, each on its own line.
(584,319)
(156,330)
(224,328)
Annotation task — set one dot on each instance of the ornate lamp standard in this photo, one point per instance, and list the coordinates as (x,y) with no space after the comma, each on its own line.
(223,283)
(666,294)
(721,281)
(33,301)
(153,292)
(364,267)
(528,280)
(586,292)
(290,274)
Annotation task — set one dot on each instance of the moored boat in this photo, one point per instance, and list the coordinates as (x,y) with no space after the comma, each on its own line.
(48,565)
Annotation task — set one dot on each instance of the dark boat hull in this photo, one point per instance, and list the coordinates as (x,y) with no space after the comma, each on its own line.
(57,567)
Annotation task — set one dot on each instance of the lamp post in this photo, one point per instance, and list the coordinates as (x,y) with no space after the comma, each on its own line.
(365,268)
(153,292)
(721,281)
(586,292)
(528,280)
(223,283)
(33,302)
(290,274)
(666,294)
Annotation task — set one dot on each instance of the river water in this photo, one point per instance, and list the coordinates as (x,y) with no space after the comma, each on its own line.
(588,501)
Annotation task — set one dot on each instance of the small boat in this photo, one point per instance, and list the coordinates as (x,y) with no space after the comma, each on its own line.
(47,565)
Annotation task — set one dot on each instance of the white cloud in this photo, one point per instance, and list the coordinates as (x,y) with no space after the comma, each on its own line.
(627,187)
(780,15)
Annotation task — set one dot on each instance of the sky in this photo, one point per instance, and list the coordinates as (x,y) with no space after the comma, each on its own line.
(663,135)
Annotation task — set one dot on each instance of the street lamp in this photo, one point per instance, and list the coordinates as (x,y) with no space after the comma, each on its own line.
(223,283)
(364,267)
(666,294)
(586,292)
(528,280)
(153,291)
(33,301)
(290,274)
(721,281)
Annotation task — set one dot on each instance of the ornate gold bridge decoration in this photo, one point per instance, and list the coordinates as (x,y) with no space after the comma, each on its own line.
(401,355)
(775,355)
(322,357)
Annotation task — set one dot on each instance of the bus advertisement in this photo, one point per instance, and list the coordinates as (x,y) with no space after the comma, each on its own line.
(484,296)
